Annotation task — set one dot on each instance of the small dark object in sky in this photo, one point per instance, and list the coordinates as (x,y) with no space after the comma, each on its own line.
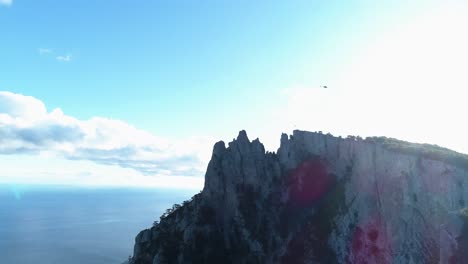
(324,86)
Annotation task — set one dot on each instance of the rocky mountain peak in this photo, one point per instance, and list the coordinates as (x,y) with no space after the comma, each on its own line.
(319,199)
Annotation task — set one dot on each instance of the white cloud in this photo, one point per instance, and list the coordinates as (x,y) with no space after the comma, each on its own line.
(64,58)
(6,2)
(43,51)
(26,126)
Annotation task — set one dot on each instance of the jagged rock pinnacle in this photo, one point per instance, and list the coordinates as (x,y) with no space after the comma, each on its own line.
(243,136)
(320,199)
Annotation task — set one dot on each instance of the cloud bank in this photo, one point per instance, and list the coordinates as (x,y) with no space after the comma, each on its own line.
(27,127)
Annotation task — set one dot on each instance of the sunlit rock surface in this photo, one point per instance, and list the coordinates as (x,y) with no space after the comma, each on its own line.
(319,199)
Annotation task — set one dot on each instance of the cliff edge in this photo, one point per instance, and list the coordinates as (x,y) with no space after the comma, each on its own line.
(319,199)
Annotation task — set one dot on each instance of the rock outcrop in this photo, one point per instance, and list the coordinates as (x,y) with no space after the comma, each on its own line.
(319,199)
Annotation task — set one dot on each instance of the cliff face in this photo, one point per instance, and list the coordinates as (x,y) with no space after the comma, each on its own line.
(319,199)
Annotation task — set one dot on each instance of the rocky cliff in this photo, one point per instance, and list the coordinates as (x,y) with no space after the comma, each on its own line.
(319,199)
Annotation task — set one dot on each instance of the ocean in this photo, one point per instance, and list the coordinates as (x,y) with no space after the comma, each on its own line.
(62,225)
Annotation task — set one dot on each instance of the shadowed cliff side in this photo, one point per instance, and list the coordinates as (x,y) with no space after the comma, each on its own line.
(319,199)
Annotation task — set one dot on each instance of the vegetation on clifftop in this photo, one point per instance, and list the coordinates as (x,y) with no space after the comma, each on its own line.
(427,151)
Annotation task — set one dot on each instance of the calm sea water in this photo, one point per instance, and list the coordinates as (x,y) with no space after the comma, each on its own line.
(76,226)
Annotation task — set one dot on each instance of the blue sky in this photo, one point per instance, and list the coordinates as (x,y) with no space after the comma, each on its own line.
(199,71)
(173,61)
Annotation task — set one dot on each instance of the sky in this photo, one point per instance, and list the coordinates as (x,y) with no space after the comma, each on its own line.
(135,93)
